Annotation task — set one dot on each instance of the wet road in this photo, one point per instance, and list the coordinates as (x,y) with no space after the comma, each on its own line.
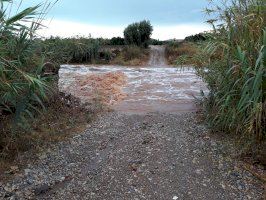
(146,89)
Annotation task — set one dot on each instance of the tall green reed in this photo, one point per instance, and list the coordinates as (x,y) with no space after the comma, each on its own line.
(234,57)
(22,88)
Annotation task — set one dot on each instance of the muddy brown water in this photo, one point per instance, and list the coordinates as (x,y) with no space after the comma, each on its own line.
(146,89)
(136,90)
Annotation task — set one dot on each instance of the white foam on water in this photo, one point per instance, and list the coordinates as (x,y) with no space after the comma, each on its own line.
(146,83)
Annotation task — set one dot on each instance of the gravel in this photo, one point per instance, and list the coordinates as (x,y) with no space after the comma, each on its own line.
(151,156)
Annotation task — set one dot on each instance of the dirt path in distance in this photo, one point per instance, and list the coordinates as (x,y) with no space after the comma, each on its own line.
(157,58)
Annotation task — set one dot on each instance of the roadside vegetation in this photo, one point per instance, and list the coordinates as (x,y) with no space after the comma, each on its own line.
(132,56)
(184,52)
(132,50)
(180,53)
(29,98)
(231,60)
(235,60)
(81,50)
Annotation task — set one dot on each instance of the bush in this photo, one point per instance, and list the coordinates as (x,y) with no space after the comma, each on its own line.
(117,41)
(138,34)
(196,38)
(71,50)
(132,52)
(180,53)
(156,42)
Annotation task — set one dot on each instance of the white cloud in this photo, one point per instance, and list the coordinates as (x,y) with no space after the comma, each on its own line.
(64,28)
(178,31)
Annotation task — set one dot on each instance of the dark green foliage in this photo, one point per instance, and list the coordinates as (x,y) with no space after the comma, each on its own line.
(156,42)
(196,38)
(71,50)
(138,34)
(22,87)
(105,55)
(117,41)
(173,43)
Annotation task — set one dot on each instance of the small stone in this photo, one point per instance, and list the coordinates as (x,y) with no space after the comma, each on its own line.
(27,171)
(42,156)
(12,198)
(29,181)
(8,195)
(14,168)
(223,186)
(8,189)
(198,171)
(175,198)
(41,189)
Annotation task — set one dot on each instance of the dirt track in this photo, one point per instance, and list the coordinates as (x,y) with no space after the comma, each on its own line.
(159,155)
(157,56)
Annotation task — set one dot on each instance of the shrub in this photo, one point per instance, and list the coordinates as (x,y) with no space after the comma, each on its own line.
(156,42)
(132,52)
(196,38)
(180,53)
(117,41)
(71,50)
(138,34)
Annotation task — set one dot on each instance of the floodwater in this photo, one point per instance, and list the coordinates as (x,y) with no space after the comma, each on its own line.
(134,90)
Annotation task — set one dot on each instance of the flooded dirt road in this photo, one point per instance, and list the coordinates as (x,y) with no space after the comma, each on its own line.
(131,153)
(143,90)
(135,90)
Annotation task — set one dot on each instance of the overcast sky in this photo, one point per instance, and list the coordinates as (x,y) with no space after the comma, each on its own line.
(108,18)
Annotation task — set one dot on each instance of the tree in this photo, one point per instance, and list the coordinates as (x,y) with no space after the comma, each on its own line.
(138,33)
(117,41)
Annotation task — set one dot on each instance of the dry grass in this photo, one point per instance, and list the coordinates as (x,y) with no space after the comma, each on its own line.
(132,56)
(181,53)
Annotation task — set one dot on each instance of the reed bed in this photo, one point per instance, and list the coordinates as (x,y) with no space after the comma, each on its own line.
(232,62)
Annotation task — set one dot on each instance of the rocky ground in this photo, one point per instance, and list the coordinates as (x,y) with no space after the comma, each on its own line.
(151,156)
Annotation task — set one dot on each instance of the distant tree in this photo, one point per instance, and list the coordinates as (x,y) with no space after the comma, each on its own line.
(156,42)
(117,41)
(138,34)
